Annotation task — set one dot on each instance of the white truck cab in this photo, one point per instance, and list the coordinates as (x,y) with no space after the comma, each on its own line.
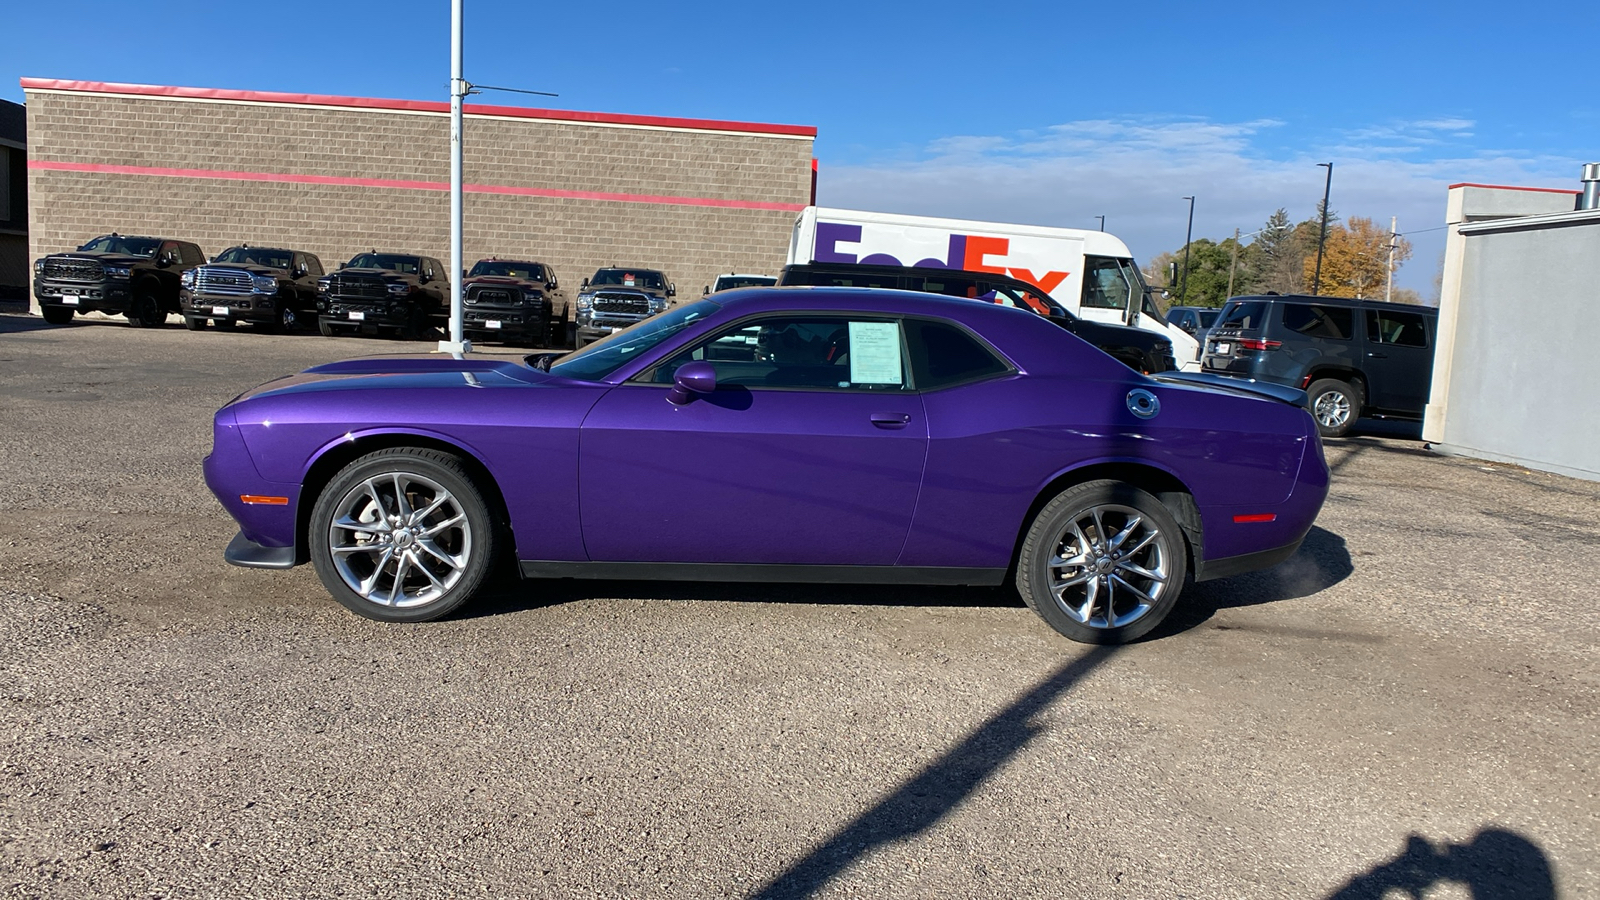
(1090,273)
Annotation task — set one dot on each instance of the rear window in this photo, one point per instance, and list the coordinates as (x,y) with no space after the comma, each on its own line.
(1247,316)
(942,355)
(1317,321)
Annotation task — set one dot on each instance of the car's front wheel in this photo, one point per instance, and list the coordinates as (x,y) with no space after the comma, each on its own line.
(57,315)
(145,311)
(402,535)
(1103,563)
(1335,405)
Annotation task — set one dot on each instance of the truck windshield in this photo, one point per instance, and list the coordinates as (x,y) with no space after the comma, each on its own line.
(391,261)
(276,259)
(653,281)
(522,270)
(112,243)
(601,358)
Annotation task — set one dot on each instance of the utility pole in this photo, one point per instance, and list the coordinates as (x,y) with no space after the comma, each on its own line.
(1394,244)
(1188,237)
(1316,282)
(458,92)
(1232,266)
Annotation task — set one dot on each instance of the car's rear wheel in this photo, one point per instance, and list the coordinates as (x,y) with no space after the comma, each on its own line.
(402,535)
(1335,405)
(284,318)
(1103,563)
(57,315)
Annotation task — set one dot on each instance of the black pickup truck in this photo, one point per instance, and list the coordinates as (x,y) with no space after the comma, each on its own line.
(618,297)
(515,300)
(137,277)
(374,292)
(271,288)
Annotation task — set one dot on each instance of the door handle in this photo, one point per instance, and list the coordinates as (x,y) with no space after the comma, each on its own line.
(1378,355)
(891,420)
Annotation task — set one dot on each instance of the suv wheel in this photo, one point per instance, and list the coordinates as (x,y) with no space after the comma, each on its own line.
(56,315)
(1335,405)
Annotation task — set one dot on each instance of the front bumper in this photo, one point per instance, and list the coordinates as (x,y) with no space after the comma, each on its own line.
(597,327)
(363,313)
(110,295)
(506,321)
(254,307)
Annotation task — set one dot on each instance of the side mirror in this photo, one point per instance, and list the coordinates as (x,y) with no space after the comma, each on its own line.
(691,380)
(554,285)
(672,290)
(165,259)
(343,264)
(584,285)
(705,291)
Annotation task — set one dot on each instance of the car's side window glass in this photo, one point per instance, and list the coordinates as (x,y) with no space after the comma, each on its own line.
(1397,328)
(809,352)
(944,355)
(1314,320)
(1105,284)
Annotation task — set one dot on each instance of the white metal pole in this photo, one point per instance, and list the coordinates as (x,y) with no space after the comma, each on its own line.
(458,91)
(1388,288)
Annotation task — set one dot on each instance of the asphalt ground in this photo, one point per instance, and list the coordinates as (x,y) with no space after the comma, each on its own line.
(1409,705)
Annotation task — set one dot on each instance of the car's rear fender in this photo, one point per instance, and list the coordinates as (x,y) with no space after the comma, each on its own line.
(334,456)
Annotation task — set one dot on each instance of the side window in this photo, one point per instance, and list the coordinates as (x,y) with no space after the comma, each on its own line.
(172,248)
(1105,285)
(314,265)
(1330,322)
(1401,329)
(810,352)
(944,355)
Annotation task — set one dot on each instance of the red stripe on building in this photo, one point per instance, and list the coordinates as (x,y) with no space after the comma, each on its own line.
(1507,187)
(517,112)
(289,178)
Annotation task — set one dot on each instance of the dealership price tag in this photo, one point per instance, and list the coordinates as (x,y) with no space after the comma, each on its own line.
(492,323)
(875,353)
(69,300)
(219,310)
(357,316)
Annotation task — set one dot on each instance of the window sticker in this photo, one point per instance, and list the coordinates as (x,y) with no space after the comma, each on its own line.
(875,353)
(627,280)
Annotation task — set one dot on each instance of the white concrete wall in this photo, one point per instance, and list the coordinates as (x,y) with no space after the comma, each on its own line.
(1516,378)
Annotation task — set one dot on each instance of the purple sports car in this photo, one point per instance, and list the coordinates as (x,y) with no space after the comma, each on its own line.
(776,434)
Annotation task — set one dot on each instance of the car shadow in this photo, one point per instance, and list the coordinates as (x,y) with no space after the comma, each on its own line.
(21,322)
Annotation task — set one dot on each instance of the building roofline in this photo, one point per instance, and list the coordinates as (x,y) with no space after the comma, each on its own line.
(426,106)
(1507,187)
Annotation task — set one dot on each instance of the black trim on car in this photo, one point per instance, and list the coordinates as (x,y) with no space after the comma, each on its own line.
(1228,566)
(247,553)
(651,571)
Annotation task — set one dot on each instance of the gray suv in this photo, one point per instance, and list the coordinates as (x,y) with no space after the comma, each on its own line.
(1351,357)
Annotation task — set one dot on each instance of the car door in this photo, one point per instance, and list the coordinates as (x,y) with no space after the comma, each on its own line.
(810,451)
(1399,360)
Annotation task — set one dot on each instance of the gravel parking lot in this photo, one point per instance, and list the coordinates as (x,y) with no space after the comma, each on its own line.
(1408,704)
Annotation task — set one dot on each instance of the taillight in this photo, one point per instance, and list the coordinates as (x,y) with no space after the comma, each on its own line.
(1258,344)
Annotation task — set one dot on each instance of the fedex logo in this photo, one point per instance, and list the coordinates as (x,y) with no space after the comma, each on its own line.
(971,252)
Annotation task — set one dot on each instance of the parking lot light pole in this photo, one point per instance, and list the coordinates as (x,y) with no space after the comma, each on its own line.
(458,92)
(1188,237)
(1316,281)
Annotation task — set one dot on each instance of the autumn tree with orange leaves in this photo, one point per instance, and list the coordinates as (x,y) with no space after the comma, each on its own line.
(1355,259)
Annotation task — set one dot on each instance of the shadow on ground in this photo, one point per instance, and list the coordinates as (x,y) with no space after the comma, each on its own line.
(1495,865)
(1322,561)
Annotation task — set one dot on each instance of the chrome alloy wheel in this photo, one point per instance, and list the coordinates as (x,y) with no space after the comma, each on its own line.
(1110,566)
(1332,409)
(399,539)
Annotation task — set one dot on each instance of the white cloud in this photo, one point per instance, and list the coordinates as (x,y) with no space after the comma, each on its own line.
(1135,171)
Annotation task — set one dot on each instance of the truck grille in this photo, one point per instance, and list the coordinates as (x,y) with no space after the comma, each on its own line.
(497,296)
(621,303)
(74,269)
(211,280)
(358,286)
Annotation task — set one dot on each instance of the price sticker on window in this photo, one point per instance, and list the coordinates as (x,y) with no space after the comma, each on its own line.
(875,353)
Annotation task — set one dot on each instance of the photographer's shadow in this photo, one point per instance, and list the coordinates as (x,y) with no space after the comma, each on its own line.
(1495,865)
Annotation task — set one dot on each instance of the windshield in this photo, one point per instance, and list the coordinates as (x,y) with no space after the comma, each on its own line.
(610,353)
(132,246)
(393,261)
(522,270)
(277,259)
(653,281)
(729,282)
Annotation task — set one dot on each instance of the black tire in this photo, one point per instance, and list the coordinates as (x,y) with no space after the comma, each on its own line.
(284,318)
(57,315)
(555,331)
(1141,586)
(464,535)
(145,311)
(194,323)
(414,326)
(225,324)
(1335,404)
(326,327)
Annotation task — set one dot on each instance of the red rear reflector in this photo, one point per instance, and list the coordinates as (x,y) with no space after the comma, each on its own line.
(1256,517)
(1258,344)
(264,501)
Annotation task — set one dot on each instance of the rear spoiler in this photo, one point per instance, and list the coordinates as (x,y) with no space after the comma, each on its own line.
(1290,395)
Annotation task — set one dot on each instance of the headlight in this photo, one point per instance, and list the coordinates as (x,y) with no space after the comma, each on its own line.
(585,301)
(657,304)
(187,278)
(265,284)
(323,283)
(38,267)
(118,271)
(399,289)
(532,298)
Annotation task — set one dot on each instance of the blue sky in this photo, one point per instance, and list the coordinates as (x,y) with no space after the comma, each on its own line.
(1052,113)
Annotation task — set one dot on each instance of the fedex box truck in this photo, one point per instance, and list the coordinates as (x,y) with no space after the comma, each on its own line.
(1090,273)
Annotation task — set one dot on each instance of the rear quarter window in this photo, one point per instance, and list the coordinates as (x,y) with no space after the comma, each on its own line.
(1314,320)
(1247,316)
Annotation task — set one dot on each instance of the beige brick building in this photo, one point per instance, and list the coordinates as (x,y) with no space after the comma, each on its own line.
(340,175)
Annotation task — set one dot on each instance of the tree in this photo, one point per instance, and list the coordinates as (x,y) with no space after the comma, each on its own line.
(1356,259)
(1275,258)
(1207,283)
